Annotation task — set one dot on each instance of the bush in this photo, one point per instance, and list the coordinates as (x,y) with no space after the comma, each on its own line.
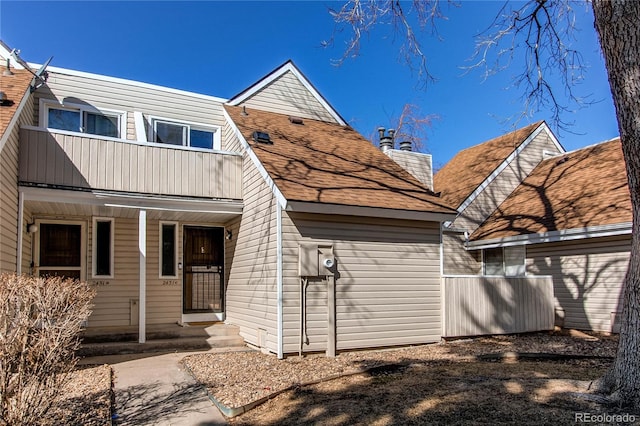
(40,322)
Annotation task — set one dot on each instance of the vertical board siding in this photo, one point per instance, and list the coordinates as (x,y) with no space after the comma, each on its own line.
(505,183)
(251,283)
(387,287)
(588,278)
(9,159)
(83,162)
(416,163)
(497,305)
(457,260)
(287,95)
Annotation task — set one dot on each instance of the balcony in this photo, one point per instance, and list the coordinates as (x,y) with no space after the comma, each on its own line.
(75,161)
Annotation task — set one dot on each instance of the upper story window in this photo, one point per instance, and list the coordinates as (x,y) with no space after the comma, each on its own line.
(185,134)
(507,261)
(82,118)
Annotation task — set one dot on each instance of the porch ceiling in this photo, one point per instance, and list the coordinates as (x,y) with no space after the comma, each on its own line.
(69,204)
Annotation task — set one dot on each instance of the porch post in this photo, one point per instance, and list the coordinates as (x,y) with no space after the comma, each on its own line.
(20,232)
(142,246)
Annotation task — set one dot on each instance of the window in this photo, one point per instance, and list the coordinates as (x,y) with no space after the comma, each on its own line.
(103,247)
(83,119)
(185,134)
(168,249)
(59,247)
(509,261)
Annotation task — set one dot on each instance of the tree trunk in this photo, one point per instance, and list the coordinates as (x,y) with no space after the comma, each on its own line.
(618,26)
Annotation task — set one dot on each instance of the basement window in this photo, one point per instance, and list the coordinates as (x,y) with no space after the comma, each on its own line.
(504,261)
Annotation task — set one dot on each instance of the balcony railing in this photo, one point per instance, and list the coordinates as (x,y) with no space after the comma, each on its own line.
(70,160)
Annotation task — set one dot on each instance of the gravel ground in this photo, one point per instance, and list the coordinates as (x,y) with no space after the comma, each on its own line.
(236,379)
(85,400)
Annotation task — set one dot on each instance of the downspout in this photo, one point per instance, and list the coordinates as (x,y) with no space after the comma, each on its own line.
(20,233)
(443,306)
(279,279)
(142,304)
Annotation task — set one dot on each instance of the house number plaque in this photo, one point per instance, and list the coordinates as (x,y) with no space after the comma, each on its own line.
(170,282)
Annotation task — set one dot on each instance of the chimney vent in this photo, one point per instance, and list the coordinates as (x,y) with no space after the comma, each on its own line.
(386,142)
(405,146)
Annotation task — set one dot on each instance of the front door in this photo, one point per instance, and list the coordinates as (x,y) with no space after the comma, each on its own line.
(203,274)
(59,250)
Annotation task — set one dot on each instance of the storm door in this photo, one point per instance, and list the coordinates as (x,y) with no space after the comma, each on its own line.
(60,250)
(203,270)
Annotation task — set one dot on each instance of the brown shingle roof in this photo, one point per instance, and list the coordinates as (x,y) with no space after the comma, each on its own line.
(470,167)
(328,163)
(14,86)
(579,189)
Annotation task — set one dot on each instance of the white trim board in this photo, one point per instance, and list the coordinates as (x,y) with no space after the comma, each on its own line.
(554,236)
(289,66)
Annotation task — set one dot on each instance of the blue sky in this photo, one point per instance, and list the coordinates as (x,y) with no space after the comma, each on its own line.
(219,48)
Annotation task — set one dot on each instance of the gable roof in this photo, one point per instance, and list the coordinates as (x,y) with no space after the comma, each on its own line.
(579,189)
(16,88)
(323,163)
(288,66)
(468,169)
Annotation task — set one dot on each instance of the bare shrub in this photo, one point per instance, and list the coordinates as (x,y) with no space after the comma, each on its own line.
(40,322)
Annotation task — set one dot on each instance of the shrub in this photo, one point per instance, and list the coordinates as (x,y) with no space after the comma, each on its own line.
(40,322)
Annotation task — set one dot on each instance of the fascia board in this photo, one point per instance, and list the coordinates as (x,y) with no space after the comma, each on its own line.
(274,75)
(337,209)
(553,236)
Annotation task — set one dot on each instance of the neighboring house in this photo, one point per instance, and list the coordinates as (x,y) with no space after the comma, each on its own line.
(571,219)
(264,210)
(527,210)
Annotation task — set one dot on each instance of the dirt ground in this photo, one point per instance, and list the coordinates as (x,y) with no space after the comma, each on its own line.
(460,382)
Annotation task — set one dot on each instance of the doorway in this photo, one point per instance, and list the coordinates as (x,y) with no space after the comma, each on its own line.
(203,273)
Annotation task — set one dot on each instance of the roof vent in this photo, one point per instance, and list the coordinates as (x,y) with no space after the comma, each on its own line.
(4,101)
(405,146)
(386,142)
(262,137)
(7,72)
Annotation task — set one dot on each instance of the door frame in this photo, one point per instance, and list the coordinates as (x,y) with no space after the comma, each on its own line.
(35,257)
(201,316)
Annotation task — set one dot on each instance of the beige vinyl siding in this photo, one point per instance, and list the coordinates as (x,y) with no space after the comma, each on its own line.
(387,287)
(251,283)
(120,95)
(416,163)
(81,162)
(504,184)
(230,141)
(457,260)
(587,278)
(497,305)
(287,95)
(9,158)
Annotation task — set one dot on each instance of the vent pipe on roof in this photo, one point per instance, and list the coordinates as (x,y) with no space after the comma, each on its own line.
(7,72)
(386,142)
(405,146)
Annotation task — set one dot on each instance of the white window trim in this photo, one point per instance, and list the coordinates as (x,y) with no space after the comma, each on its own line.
(175,255)
(83,246)
(94,241)
(216,130)
(46,104)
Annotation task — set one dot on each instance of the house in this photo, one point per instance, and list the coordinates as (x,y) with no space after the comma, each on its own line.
(527,210)
(264,210)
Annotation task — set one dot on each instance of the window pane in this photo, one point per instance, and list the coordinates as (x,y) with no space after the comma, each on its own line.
(64,119)
(493,264)
(514,261)
(173,134)
(168,250)
(60,245)
(103,248)
(201,139)
(99,124)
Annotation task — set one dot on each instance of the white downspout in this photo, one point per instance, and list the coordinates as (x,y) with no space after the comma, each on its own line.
(443,288)
(20,232)
(142,304)
(279,283)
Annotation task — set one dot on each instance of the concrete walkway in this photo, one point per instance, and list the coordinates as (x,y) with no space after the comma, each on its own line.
(153,389)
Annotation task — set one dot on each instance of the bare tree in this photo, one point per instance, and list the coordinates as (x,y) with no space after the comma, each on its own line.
(411,125)
(538,35)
